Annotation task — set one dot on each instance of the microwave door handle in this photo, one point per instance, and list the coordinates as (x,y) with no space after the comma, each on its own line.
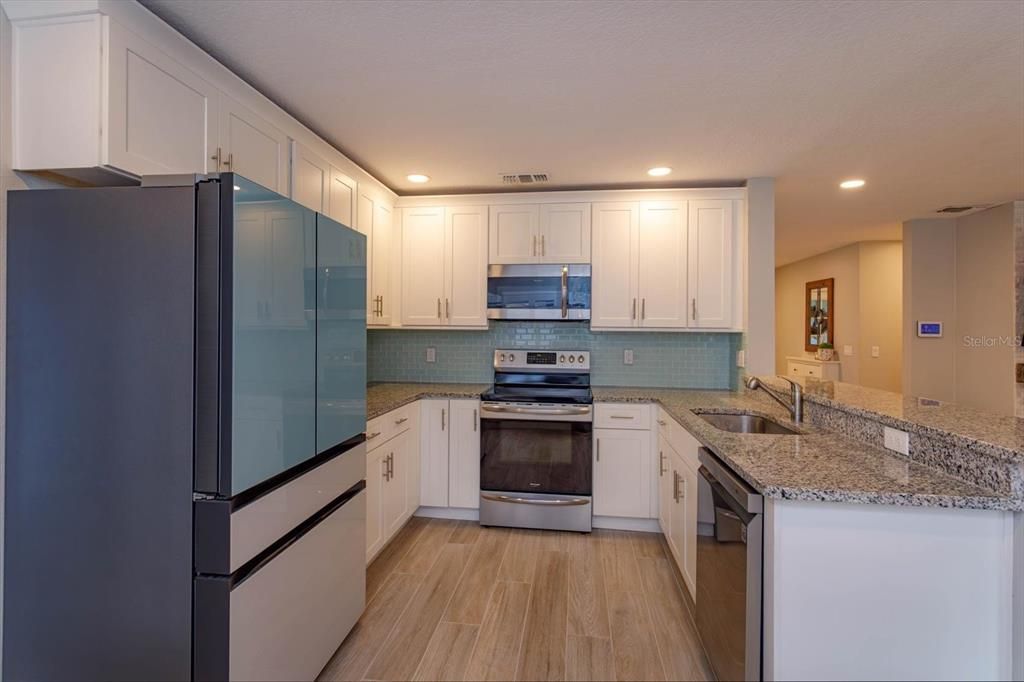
(565,291)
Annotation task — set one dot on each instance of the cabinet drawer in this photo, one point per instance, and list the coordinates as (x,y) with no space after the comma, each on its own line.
(801,370)
(380,430)
(622,416)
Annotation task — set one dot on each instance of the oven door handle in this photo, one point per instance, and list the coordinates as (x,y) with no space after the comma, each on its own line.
(539,411)
(574,502)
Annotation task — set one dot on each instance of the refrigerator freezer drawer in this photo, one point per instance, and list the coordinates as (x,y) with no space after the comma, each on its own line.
(287,618)
(260,523)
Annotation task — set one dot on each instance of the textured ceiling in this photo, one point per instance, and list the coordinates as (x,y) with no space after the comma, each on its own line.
(923,99)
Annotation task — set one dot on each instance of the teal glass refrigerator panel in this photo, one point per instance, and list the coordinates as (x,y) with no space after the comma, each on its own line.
(340,294)
(273,336)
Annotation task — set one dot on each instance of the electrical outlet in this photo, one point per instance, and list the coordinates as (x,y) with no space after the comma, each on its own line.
(847,350)
(897,440)
(627,357)
(431,354)
(741,358)
(875,351)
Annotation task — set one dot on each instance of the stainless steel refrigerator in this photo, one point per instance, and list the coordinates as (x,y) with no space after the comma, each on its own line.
(185,458)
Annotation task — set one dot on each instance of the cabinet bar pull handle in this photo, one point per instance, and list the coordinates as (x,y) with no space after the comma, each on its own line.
(643,308)
(620,416)
(447,313)
(693,305)
(439,309)
(675,486)
(442,419)
(599,450)
(634,308)
(401,421)
(373,435)
(661,463)
(231,160)
(216,157)
(475,419)
(533,251)
(661,422)
(382,305)
(542,245)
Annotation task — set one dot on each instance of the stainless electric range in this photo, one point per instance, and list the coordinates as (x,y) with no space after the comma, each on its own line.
(536,440)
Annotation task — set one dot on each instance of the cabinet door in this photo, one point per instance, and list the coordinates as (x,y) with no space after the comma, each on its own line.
(311,177)
(711,263)
(434,423)
(465,303)
(395,500)
(665,500)
(162,117)
(684,520)
(376,471)
(252,147)
(614,265)
(341,198)
(423,261)
(379,231)
(513,234)
(622,480)
(564,233)
(661,264)
(464,454)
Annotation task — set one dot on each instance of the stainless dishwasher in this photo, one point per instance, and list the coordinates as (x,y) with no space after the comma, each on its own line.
(730,545)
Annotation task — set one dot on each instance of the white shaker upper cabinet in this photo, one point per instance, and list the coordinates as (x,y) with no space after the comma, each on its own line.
(88,94)
(423,266)
(564,233)
(252,147)
(377,223)
(341,198)
(514,235)
(311,179)
(711,264)
(662,263)
(465,303)
(614,280)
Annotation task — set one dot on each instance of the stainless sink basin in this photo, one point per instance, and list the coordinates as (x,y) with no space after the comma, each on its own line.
(745,423)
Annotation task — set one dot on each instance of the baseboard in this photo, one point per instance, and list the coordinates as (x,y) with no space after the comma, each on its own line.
(456,513)
(622,523)
(605,522)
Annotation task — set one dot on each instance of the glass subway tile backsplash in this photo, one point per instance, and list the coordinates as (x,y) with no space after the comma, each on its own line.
(663,359)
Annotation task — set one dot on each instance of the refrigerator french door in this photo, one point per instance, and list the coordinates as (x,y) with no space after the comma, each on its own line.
(184,442)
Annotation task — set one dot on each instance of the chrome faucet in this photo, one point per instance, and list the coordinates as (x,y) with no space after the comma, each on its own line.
(796,395)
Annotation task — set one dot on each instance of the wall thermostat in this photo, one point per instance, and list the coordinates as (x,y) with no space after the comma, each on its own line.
(927,330)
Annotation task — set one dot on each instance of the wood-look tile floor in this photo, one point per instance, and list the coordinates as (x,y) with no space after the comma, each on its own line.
(449,600)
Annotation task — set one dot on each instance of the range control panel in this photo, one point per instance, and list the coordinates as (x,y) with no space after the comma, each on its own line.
(542,359)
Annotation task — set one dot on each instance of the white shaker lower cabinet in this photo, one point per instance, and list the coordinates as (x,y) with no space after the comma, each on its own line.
(392,475)
(678,481)
(450,453)
(622,465)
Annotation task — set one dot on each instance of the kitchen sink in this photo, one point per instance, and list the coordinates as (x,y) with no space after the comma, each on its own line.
(745,423)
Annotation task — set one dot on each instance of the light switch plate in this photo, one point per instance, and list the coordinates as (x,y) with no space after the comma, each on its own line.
(875,352)
(431,354)
(627,357)
(741,358)
(847,350)
(897,440)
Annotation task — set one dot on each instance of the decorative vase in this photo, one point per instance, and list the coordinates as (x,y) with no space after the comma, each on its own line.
(825,354)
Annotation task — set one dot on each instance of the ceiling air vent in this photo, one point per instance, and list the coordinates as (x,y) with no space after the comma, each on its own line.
(523,178)
(955,209)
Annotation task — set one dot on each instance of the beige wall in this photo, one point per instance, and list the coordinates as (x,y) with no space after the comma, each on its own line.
(961,272)
(985,310)
(868,310)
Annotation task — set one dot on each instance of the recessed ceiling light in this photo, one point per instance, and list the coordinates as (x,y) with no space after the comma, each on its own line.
(417,177)
(852,184)
(658,171)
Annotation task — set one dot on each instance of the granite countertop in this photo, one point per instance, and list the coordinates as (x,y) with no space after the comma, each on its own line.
(384,397)
(817,465)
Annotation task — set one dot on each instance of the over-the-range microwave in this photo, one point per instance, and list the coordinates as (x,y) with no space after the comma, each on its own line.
(538,292)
